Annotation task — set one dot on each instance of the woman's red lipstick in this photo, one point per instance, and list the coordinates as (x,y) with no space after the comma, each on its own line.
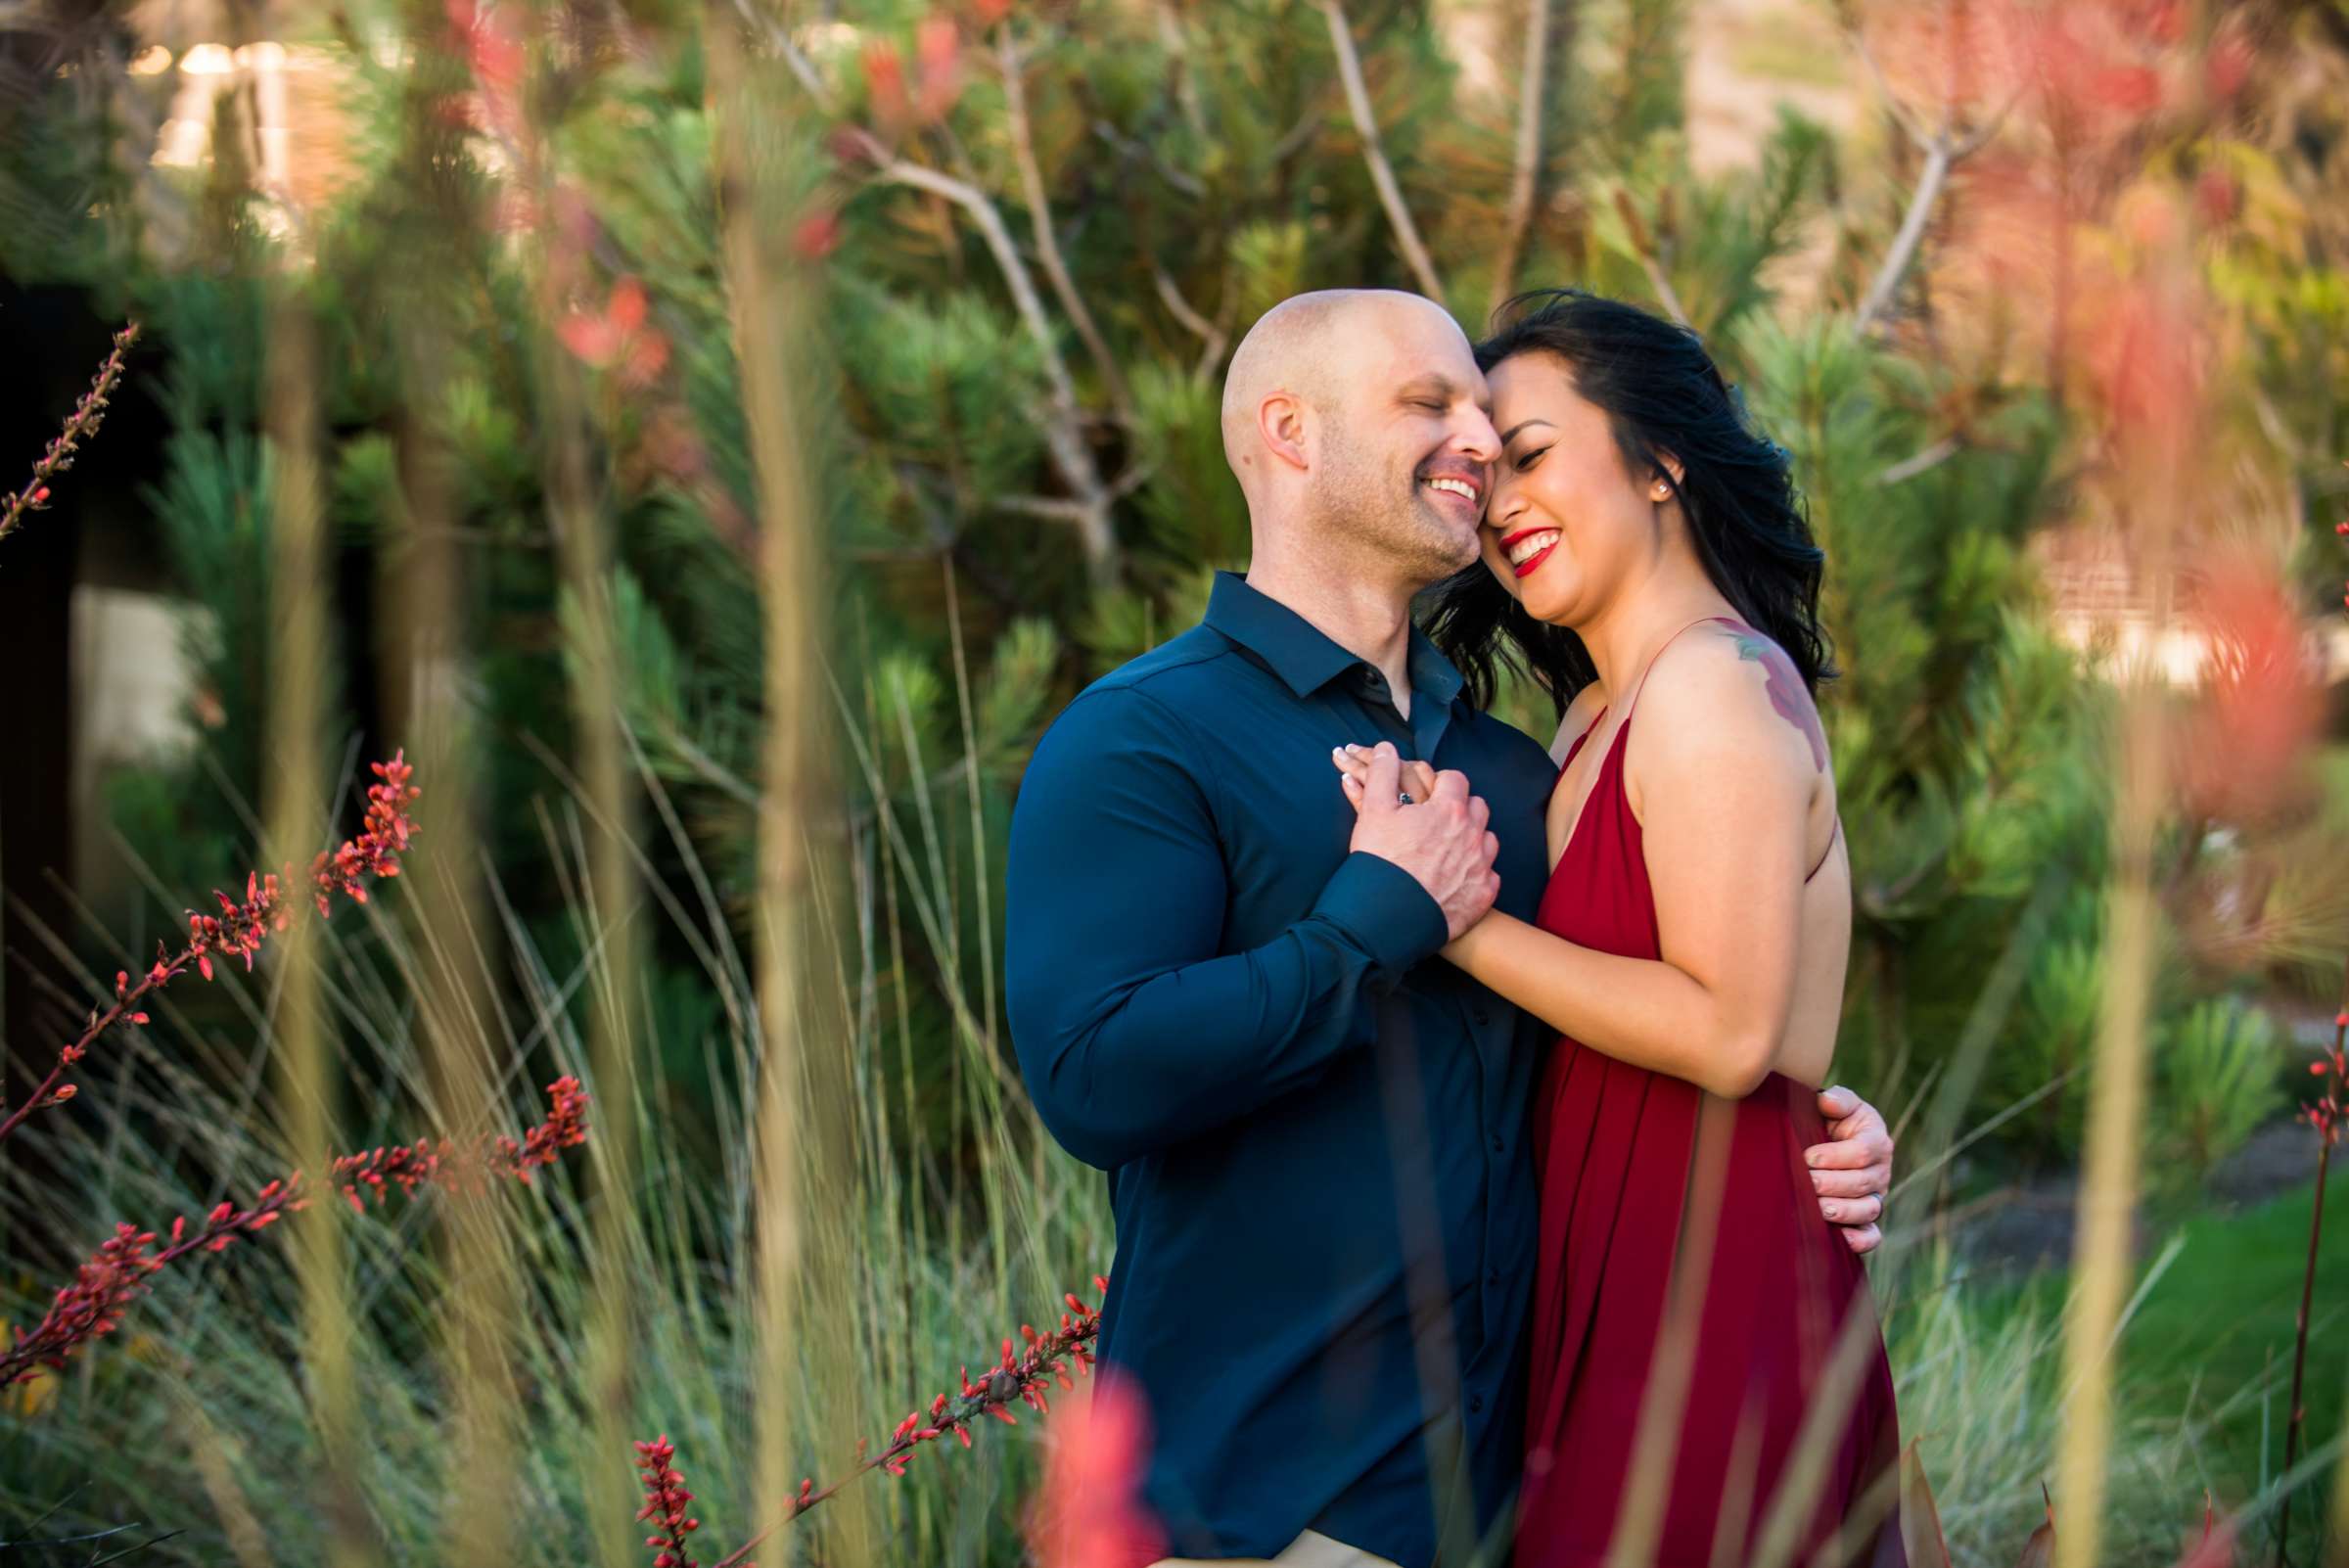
(1526,567)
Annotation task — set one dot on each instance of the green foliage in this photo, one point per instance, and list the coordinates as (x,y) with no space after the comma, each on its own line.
(1194,175)
(2218,1066)
(1196,165)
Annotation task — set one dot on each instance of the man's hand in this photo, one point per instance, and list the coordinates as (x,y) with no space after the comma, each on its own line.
(1851,1174)
(1441,840)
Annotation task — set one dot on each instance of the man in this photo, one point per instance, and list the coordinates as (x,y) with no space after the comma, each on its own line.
(1225,989)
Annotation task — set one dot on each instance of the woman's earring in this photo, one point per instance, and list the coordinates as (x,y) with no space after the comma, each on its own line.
(1663,491)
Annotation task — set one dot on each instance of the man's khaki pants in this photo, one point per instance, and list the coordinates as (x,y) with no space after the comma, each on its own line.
(1309,1550)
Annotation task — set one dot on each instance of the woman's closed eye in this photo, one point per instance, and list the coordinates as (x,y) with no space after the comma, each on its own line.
(1527,460)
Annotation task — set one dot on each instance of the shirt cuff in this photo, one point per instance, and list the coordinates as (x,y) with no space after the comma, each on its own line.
(1385,909)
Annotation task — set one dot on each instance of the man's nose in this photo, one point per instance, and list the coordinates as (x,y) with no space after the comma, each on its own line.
(1476,439)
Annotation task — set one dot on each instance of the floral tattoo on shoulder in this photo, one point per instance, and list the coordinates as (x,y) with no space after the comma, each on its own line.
(1787,698)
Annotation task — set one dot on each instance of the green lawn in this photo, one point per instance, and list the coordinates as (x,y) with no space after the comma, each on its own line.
(2213,1339)
(2218,1328)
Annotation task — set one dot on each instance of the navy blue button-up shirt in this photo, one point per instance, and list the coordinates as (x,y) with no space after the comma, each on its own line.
(1313,1127)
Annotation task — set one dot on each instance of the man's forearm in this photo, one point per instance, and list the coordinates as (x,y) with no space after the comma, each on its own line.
(1177,1052)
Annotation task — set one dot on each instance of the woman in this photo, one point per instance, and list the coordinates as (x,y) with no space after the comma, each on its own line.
(1725,1399)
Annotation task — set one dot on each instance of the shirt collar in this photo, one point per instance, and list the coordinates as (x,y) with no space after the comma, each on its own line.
(1300,653)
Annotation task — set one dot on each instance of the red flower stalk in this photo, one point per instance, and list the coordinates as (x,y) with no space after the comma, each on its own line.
(665,1485)
(409,1166)
(119,1273)
(1018,1374)
(240,928)
(2330,1114)
(80,424)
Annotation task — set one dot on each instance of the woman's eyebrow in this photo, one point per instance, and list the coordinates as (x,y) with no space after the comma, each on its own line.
(1524,424)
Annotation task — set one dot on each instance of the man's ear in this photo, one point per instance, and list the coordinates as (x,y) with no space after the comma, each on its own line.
(1280,423)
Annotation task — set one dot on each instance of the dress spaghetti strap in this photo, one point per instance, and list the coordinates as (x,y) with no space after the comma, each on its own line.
(1641,685)
(1829,853)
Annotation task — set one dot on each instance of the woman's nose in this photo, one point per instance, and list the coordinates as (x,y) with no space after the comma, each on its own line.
(1506,504)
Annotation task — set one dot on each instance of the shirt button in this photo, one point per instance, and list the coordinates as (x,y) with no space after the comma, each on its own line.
(1481,1013)
(1491,1277)
(1476,1404)
(1496,1143)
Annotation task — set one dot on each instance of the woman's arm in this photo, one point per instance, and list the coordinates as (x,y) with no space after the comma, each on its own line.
(1724,785)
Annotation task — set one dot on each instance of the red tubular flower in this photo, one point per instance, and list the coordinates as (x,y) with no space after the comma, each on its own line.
(667,1497)
(119,1273)
(1020,1376)
(267,908)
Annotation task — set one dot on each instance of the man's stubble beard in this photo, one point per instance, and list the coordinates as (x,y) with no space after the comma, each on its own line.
(1372,517)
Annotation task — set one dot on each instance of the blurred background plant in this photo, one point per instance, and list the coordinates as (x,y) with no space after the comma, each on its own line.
(1010,246)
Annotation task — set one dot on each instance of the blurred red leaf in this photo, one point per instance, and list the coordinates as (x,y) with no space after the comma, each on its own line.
(1922,1538)
(2040,1550)
(938,52)
(885,82)
(616,338)
(2261,704)
(1087,1513)
(816,236)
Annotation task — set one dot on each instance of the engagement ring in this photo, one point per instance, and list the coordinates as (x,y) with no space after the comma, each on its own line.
(1403,797)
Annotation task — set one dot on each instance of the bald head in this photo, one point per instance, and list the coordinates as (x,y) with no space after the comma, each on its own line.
(1315,348)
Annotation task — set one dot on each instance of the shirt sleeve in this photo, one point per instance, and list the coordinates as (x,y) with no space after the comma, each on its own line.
(1135,1028)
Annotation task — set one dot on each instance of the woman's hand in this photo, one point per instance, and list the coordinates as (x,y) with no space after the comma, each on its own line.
(1852,1172)
(1354,766)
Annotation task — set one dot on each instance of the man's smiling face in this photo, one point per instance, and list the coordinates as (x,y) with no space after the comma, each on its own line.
(1405,452)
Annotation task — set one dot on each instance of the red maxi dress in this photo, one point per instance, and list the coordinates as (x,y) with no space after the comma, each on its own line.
(1689,1279)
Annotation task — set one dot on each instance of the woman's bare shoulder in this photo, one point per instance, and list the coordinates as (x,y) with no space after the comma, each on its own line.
(1726,690)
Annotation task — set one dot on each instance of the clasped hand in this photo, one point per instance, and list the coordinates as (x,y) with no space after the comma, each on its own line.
(1441,837)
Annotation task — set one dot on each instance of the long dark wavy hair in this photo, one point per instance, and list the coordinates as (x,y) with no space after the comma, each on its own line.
(1661,392)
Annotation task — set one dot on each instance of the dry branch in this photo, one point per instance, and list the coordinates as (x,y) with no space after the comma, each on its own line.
(1524,179)
(1943,148)
(1039,217)
(1382,173)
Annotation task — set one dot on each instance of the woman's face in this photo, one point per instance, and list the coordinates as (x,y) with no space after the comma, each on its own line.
(1567,526)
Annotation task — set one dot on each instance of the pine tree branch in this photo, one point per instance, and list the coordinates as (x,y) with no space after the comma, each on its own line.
(1064,417)
(1063,420)
(1187,183)
(1524,181)
(1039,217)
(1382,173)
